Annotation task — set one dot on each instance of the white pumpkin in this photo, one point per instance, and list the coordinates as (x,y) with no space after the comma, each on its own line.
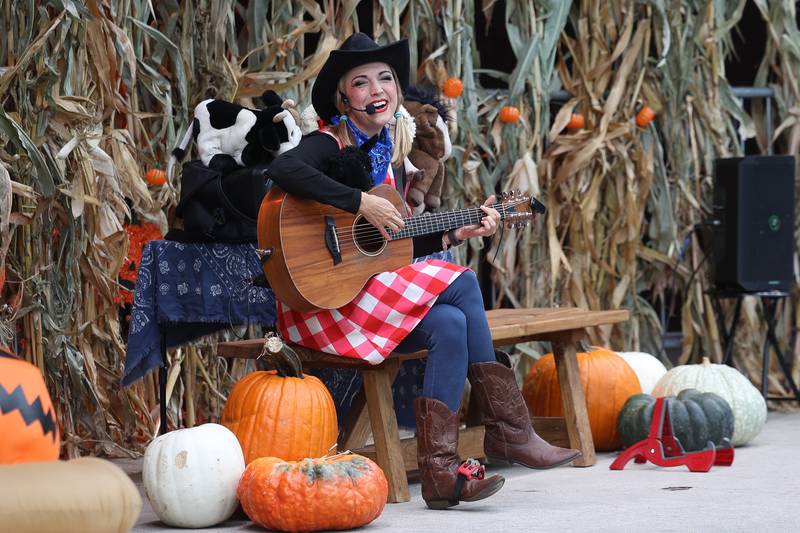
(749,407)
(647,368)
(190,475)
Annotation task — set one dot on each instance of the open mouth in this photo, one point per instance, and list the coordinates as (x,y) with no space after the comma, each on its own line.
(380,105)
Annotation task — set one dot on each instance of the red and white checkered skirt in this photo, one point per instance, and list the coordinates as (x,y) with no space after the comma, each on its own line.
(373,324)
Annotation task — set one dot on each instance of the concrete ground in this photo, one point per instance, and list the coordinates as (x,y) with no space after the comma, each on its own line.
(760,492)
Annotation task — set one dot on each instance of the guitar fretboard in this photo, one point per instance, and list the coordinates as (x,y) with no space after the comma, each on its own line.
(427,223)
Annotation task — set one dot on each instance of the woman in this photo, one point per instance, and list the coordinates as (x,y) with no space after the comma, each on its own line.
(356,95)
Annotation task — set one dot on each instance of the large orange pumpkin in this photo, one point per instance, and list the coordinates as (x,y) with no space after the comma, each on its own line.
(282,413)
(28,425)
(345,491)
(607,380)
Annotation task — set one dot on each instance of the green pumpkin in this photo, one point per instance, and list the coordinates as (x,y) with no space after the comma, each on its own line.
(696,418)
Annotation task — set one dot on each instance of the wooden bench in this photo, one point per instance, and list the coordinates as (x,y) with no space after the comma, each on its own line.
(373,409)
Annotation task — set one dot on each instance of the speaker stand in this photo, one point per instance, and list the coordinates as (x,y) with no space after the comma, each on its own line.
(769,301)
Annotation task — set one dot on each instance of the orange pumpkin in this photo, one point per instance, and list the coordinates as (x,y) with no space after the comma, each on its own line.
(453,87)
(607,380)
(281,413)
(28,422)
(576,122)
(645,116)
(138,236)
(155,177)
(345,491)
(509,114)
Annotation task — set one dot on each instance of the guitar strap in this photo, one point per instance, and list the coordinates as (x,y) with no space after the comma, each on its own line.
(400,179)
(335,138)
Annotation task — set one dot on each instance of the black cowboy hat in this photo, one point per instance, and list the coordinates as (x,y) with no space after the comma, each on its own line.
(358,49)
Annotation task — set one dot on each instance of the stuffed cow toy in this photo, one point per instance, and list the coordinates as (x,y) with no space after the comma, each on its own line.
(431,147)
(230,136)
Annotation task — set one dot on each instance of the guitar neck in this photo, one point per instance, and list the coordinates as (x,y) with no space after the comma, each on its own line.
(428,223)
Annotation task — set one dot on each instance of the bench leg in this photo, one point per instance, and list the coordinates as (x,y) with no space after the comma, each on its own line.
(575,413)
(356,428)
(378,392)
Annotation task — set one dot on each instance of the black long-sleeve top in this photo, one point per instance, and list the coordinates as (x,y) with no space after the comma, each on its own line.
(298,172)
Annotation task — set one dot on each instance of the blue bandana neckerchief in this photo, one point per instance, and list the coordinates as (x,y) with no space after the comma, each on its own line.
(381,153)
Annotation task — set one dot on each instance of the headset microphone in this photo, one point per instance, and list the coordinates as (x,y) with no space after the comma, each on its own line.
(369,110)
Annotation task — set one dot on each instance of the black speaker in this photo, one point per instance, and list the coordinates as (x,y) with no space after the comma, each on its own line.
(753,223)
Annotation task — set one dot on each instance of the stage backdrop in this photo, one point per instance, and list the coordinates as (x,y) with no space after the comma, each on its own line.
(95,94)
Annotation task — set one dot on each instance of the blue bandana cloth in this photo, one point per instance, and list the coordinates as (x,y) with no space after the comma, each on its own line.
(381,153)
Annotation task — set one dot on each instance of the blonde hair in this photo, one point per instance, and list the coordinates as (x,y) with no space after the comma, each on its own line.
(401,133)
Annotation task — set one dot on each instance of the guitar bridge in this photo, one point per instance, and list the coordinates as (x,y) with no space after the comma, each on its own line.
(332,240)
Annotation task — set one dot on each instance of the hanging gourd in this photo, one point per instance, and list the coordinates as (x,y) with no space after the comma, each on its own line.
(645,116)
(453,87)
(607,383)
(281,413)
(576,122)
(648,369)
(190,475)
(509,114)
(155,177)
(344,491)
(695,418)
(749,407)
(28,425)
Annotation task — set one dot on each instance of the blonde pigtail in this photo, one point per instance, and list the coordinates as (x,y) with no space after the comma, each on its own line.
(403,136)
(340,130)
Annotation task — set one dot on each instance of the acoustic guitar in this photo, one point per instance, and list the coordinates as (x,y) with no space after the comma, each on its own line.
(316,256)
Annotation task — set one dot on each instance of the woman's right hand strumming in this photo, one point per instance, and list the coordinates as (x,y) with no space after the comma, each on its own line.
(381,213)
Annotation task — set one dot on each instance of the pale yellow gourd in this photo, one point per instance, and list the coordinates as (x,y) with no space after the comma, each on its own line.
(749,407)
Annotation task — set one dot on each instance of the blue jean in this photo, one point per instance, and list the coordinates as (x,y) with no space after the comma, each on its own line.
(456,334)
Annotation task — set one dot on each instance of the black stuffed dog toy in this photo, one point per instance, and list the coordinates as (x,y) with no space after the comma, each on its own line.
(352,166)
(230,136)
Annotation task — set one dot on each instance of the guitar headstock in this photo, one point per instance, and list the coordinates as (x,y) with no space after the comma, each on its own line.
(517,208)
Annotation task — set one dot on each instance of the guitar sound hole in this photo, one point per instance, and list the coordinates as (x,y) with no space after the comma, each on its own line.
(367,237)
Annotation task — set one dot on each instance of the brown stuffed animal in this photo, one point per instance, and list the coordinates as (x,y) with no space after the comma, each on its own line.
(430,148)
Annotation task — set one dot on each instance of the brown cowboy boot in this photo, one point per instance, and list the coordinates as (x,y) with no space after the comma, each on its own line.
(445,480)
(509,433)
